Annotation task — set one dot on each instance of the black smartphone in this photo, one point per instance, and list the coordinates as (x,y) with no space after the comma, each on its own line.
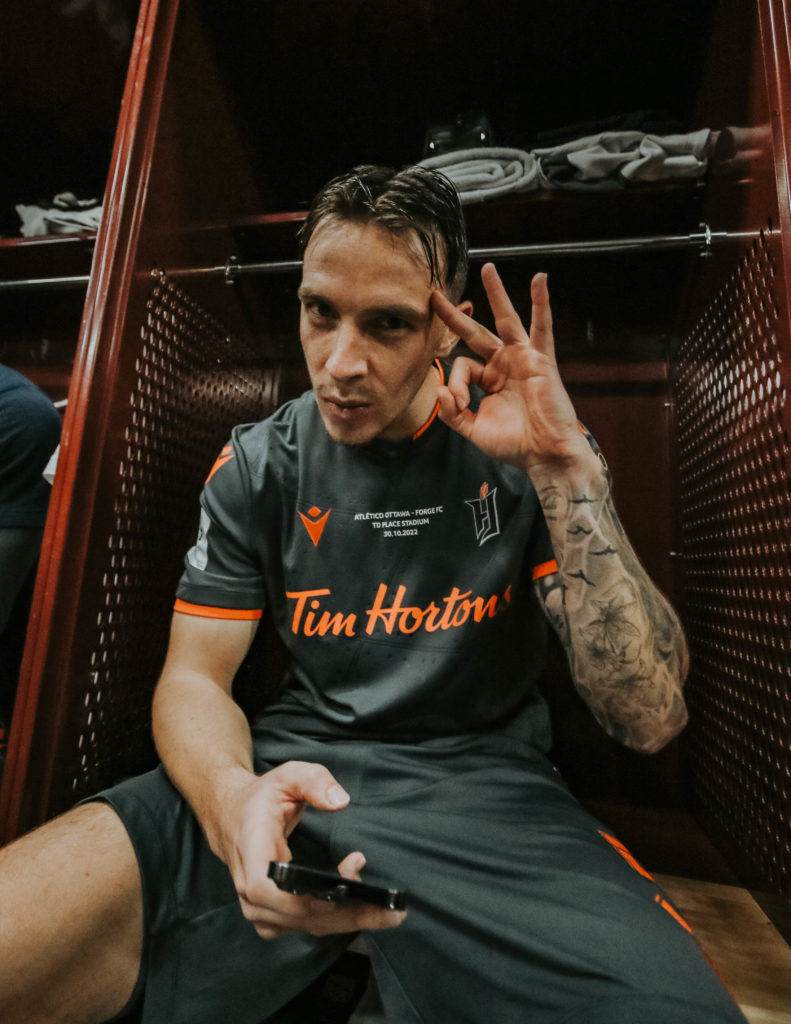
(328,885)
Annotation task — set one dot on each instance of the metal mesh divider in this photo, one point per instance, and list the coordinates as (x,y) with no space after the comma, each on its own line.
(191,383)
(735,520)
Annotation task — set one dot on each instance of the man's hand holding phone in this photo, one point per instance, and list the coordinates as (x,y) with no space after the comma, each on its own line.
(270,810)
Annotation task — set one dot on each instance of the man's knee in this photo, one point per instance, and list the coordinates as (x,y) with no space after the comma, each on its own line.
(71,931)
(654,1009)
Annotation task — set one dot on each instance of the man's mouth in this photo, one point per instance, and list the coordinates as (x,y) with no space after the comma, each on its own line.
(345,408)
(345,403)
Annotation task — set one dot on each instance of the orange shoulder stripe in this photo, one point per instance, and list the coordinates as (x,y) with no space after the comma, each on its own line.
(225,456)
(208,612)
(545,569)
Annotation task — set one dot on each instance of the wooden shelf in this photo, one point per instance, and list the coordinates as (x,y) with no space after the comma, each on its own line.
(46,256)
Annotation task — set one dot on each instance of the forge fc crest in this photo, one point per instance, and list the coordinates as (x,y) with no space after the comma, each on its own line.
(484,509)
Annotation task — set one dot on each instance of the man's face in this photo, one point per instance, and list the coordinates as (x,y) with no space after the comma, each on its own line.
(368,332)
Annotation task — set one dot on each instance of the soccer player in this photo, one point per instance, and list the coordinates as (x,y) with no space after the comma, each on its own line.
(412,524)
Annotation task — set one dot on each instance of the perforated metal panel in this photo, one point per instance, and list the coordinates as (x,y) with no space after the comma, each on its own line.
(736,529)
(187,386)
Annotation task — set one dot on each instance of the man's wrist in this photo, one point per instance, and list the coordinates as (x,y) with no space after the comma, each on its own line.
(219,804)
(578,472)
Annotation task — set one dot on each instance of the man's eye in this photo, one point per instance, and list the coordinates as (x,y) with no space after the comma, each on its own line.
(319,310)
(392,323)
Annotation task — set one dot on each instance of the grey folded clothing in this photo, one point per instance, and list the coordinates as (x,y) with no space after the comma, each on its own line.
(64,215)
(610,159)
(486,172)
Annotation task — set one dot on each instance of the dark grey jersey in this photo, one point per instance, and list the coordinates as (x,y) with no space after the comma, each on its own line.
(399,575)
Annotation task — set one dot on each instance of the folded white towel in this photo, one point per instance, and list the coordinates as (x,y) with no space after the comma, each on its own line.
(486,172)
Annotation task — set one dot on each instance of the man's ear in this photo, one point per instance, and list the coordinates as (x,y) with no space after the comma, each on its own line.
(450,340)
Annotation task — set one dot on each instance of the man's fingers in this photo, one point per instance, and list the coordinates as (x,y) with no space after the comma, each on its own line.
(507,321)
(541,336)
(352,865)
(365,917)
(274,810)
(454,398)
(464,373)
(476,336)
(283,913)
(304,782)
(359,917)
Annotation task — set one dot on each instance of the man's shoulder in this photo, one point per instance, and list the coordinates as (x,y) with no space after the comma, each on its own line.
(281,434)
(12,380)
(26,412)
(15,387)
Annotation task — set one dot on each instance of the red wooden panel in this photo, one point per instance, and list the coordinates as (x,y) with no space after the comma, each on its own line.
(42,702)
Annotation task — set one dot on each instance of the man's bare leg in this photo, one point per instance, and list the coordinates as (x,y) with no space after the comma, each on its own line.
(71,920)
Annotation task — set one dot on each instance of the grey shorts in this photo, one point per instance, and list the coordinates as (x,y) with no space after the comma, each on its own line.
(521,907)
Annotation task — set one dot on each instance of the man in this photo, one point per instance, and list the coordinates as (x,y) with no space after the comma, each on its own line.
(29,434)
(408,533)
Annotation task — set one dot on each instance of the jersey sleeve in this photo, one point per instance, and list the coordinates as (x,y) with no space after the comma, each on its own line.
(222,575)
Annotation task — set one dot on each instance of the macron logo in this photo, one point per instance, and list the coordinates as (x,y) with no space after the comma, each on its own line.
(314,522)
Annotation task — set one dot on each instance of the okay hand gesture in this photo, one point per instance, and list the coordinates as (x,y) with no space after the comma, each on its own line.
(526,417)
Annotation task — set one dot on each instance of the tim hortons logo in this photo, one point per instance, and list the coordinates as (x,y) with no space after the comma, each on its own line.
(311,615)
(484,510)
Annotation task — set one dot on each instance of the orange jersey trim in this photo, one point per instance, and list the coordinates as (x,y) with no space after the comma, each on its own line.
(630,860)
(673,913)
(545,569)
(208,612)
(435,410)
(225,456)
(638,867)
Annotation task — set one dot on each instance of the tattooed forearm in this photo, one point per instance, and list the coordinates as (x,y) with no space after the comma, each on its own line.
(625,644)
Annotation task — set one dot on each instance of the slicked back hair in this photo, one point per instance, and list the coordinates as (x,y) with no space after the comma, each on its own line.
(414,199)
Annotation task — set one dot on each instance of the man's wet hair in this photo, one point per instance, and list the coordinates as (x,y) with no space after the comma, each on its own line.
(414,199)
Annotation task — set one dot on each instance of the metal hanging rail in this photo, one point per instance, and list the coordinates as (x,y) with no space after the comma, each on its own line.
(232,269)
(703,240)
(45,283)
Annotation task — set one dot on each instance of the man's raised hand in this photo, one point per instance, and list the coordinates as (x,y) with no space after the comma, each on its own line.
(526,417)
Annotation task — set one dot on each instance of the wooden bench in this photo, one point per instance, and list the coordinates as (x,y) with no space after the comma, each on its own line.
(750,955)
(744,933)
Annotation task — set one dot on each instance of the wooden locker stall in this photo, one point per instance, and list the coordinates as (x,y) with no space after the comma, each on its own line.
(118,514)
(228,125)
(731,384)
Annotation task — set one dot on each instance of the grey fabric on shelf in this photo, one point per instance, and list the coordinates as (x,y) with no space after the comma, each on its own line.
(611,159)
(604,161)
(487,172)
(65,214)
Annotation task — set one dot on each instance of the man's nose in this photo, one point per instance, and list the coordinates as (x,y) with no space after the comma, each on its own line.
(347,354)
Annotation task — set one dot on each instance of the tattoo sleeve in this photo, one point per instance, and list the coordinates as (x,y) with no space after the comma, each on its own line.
(625,645)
